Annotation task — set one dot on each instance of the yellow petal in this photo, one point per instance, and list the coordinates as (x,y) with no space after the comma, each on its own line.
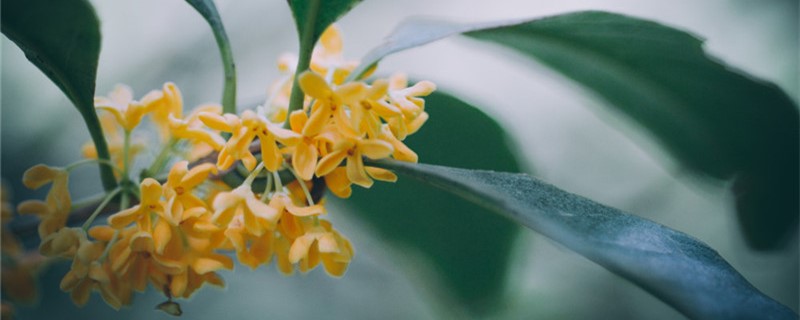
(142,242)
(215,121)
(300,248)
(206,265)
(375,149)
(197,175)
(381,174)
(36,207)
(151,192)
(162,235)
(327,243)
(40,175)
(320,115)
(314,85)
(297,120)
(330,162)
(304,160)
(356,172)
(125,217)
(338,183)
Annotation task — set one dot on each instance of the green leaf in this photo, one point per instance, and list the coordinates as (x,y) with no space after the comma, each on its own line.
(208,10)
(62,39)
(713,119)
(316,15)
(676,268)
(312,17)
(468,248)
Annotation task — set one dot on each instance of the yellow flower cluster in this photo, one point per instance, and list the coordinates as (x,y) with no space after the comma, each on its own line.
(176,235)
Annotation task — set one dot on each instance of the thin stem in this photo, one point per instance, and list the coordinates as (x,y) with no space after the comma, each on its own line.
(306,48)
(267,188)
(109,245)
(161,158)
(99,140)
(87,202)
(88,161)
(102,206)
(209,12)
(125,156)
(303,186)
(278,184)
(253,174)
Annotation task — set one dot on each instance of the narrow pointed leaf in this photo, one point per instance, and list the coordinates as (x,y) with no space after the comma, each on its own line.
(62,39)
(468,248)
(676,268)
(713,119)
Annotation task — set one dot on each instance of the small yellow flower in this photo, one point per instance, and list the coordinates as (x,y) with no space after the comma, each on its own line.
(330,103)
(305,154)
(269,135)
(366,115)
(63,243)
(257,216)
(352,149)
(150,203)
(238,145)
(327,56)
(322,243)
(191,127)
(55,210)
(120,103)
(162,105)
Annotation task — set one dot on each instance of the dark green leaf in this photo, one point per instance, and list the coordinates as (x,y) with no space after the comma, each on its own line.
(467,246)
(208,10)
(317,15)
(671,265)
(713,119)
(62,38)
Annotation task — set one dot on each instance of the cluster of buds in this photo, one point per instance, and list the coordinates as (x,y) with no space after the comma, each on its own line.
(186,225)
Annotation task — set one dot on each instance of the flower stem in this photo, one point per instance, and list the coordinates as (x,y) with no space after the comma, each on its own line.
(161,158)
(253,174)
(88,161)
(102,206)
(304,60)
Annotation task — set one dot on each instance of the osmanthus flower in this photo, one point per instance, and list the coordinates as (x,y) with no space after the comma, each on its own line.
(133,258)
(330,102)
(150,191)
(195,253)
(190,128)
(353,148)
(163,104)
(52,212)
(321,243)
(238,145)
(251,250)
(120,103)
(19,267)
(89,273)
(408,100)
(269,134)
(328,57)
(257,217)
(366,115)
(305,154)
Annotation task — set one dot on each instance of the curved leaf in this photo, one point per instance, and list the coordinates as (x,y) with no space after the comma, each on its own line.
(312,17)
(671,265)
(317,15)
(62,39)
(208,10)
(713,119)
(467,247)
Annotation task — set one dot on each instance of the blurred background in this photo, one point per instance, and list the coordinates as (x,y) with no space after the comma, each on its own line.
(562,132)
